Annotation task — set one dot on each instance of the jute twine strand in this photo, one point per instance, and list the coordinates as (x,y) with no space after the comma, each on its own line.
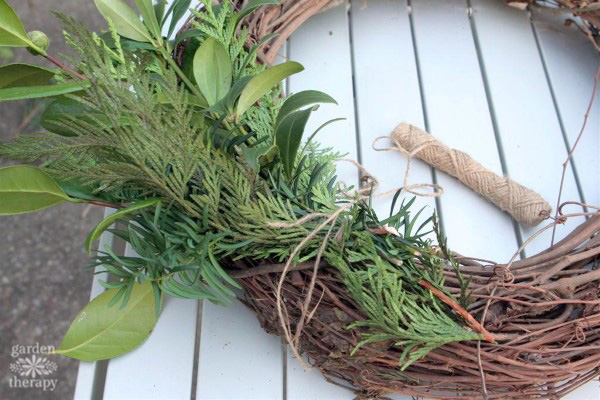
(523,204)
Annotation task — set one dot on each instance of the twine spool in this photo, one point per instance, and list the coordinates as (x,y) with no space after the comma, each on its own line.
(523,204)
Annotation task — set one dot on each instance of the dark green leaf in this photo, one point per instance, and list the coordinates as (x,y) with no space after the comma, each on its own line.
(108,221)
(302,99)
(190,33)
(159,11)
(20,75)
(253,5)
(288,137)
(179,7)
(213,70)
(35,92)
(126,21)
(25,189)
(12,32)
(263,83)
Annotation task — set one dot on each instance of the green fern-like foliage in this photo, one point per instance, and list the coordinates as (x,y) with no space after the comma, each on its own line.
(140,128)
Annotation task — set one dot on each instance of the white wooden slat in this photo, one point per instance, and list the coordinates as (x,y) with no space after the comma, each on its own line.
(84,388)
(238,359)
(387,90)
(322,45)
(458,114)
(571,62)
(162,367)
(527,122)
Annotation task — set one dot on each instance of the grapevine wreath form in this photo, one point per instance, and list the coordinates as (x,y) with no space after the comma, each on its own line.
(189,138)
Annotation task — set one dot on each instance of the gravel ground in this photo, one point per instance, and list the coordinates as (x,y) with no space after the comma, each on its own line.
(43,283)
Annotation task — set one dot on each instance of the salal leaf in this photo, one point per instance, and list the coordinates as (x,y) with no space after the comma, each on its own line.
(253,5)
(12,32)
(25,189)
(127,22)
(288,136)
(213,70)
(179,8)
(259,156)
(108,221)
(36,92)
(263,83)
(148,12)
(62,111)
(300,100)
(100,332)
(19,75)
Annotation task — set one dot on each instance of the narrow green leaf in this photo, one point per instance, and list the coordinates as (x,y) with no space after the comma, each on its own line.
(36,92)
(146,8)
(159,11)
(213,70)
(253,5)
(263,83)
(289,135)
(179,7)
(25,189)
(20,75)
(302,99)
(12,32)
(108,221)
(311,137)
(126,21)
(100,332)
(67,109)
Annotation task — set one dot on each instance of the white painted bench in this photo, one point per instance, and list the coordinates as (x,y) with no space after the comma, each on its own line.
(480,76)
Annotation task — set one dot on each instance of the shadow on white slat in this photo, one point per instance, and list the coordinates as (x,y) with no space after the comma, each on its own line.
(161,368)
(532,140)
(85,388)
(571,62)
(458,114)
(322,45)
(387,90)
(238,359)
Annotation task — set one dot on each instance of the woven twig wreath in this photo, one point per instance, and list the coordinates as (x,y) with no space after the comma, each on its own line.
(543,311)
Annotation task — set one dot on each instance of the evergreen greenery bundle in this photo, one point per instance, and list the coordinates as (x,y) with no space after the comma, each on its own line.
(188,137)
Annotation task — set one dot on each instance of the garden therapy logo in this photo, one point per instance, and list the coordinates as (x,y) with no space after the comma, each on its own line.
(31,368)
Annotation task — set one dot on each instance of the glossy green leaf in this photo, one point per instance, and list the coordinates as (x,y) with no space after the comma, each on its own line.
(263,83)
(25,189)
(179,7)
(100,332)
(108,221)
(20,75)
(302,99)
(35,92)
(127,22)
(289,135)
(213,70)
(253,5)
(12,32)
(146,8)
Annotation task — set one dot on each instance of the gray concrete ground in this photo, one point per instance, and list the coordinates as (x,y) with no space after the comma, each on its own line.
(43,280)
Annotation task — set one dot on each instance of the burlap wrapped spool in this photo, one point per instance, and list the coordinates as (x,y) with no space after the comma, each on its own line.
(543,311)
(523,204)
